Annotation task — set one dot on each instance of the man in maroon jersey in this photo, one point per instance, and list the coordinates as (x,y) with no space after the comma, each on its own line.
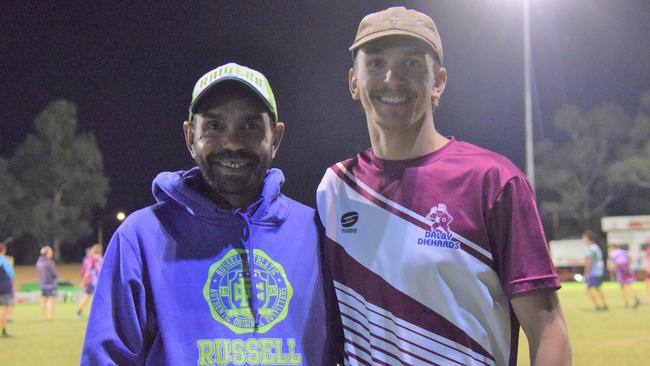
(436,247)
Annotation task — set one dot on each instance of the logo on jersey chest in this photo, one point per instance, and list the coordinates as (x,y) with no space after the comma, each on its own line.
(229,288)
(439,234)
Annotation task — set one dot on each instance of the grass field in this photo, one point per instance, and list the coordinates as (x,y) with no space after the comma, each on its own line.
(618,337)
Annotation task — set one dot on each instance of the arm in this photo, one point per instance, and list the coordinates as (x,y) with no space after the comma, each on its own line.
(611,265)
(119,322)
(53,271)
(542,320)
(336,336)
(527,272)
(587,266)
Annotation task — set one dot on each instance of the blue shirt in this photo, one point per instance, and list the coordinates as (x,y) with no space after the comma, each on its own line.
(6,275)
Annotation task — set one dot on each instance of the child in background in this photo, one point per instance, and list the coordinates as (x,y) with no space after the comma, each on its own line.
(90,268)
(619,260)
(594,270)
(647,274)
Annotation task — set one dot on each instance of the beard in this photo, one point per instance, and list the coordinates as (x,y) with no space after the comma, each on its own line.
(247,181)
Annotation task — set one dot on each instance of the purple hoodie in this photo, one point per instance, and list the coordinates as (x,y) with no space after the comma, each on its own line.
(187,282)
(46,272)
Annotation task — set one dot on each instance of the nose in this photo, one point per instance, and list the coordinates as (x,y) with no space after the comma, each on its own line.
(394,74)
(233,140)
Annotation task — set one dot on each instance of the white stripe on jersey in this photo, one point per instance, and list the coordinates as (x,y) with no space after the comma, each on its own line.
(387,245)
(414,215)
(387,332)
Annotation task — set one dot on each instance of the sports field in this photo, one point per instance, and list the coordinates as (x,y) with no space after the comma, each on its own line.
(618,337)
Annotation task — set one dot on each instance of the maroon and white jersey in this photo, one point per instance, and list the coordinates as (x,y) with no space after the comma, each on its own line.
(427,252)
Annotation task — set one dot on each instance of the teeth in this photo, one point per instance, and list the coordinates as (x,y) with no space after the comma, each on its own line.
(393,100)
(232,164)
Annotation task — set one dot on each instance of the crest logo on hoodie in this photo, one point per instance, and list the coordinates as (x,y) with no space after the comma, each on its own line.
(243,303)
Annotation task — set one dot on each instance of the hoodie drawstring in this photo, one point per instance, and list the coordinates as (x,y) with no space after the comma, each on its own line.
(250,249)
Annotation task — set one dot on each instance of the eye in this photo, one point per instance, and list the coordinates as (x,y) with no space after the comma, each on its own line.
(253,124)
(213,125)
(375,63)
(413,63)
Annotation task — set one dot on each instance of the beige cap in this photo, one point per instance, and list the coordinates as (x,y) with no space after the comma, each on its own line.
(398,21)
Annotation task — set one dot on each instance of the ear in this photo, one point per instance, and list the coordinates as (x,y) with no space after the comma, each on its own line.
(352,84)
(439,84)
(278,132)
(189,138)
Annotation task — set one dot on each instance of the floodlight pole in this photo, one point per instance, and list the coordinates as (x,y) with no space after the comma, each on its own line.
(120,216)
(528,100)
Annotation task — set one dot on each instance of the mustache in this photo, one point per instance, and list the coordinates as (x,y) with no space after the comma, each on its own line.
(225,154)
(402,89)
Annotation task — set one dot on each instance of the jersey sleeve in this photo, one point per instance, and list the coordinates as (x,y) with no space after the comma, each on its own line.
(118,330)
(517,237)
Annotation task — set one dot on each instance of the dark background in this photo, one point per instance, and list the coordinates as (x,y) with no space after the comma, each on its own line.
(131,69)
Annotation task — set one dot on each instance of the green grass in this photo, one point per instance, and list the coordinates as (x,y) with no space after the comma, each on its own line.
(618,337)
(38,342)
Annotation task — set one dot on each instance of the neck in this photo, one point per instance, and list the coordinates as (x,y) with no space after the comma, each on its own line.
(231,201)
(228,201)
(402,144)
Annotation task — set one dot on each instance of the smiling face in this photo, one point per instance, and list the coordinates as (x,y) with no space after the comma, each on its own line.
(233,140)
(396,80)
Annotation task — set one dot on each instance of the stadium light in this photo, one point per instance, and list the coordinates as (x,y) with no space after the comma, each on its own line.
(120,216)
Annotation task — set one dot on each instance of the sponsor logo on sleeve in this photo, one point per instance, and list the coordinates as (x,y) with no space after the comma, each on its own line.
(439,234)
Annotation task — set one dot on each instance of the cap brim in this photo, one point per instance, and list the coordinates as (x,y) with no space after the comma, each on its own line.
(392,32)
(212,86)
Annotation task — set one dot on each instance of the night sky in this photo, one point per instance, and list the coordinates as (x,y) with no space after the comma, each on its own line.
(131,69)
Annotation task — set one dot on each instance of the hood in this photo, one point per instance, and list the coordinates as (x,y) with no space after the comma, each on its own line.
(271,208)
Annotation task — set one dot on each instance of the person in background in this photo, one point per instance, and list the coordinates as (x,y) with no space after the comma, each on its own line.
(619,261)
(6,287)
(47,275)
(594,271)
(646,292)
(90,268)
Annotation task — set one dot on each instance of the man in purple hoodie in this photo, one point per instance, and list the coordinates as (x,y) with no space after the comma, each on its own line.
(224,269)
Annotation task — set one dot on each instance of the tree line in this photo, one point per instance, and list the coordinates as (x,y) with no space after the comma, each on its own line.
(593,163)
(52,183)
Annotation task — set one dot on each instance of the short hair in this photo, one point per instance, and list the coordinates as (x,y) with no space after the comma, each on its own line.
(97,248)
(589,234)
